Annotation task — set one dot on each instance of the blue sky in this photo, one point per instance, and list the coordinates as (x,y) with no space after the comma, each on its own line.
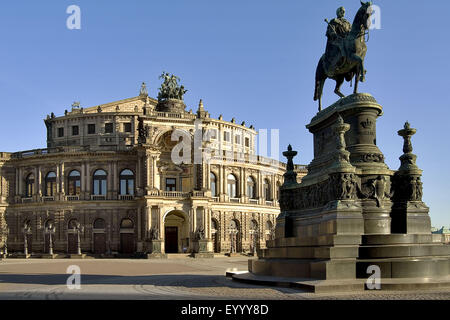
(252,60)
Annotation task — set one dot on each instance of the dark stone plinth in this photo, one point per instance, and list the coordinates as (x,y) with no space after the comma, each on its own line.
(155,250)
(351,211)
(201,248)
(155,246)
(171,105)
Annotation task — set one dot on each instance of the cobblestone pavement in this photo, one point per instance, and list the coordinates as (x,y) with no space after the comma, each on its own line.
(159,279)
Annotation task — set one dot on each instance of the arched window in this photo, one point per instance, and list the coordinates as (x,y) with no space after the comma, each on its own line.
(126,182)
(99,224)
(126,224)
(232,186)
(267,193)
(99,182)
(253,225)
(74,183)
(251,188)
(50,184)
(268,225)
(72,224)
(29,185)
(49,223)
(212,179)
(233,225)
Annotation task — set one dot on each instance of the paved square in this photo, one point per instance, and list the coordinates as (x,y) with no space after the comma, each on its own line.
(172,279)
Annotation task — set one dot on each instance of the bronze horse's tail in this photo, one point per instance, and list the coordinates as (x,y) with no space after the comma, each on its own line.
(319,78)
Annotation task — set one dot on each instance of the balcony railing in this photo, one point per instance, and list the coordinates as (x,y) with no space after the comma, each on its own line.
(253,201)
(48,199)
(174,194)
(73,198)
(126,197)
(269,203)
(235,200)
(27,200)
(198,193)
(96,197)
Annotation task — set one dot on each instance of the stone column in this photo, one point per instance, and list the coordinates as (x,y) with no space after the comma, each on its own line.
(57,196)
(63,180)
(36,181)
(17,182)
(156,183)
(138,176)
(83,177)
(194,219)
(39,182)
(115,187)
(149,173)
(88,181)
(109,181)
(20,193)
(139,224)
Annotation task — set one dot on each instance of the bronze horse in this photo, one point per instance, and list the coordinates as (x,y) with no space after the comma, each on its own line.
(352,61)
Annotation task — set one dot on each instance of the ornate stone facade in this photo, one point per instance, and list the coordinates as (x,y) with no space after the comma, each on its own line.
(110,168)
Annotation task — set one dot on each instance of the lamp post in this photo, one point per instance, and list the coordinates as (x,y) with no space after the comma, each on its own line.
(26,231)
(50,230)
(5,250)
(233,239)
(78,228)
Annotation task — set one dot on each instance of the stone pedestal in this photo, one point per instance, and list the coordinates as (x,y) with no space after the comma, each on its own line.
(48,256)
(203,249)
(156,250)
(351,211)
(171,105)
(77,256)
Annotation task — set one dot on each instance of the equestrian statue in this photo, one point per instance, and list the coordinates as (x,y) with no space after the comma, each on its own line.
(345,51)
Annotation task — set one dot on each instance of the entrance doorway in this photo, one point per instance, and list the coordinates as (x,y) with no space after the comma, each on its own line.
(99,236)
(176,232)
(171,239)
(127,244)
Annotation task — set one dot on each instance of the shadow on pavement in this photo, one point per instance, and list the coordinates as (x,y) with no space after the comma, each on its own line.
(179,280)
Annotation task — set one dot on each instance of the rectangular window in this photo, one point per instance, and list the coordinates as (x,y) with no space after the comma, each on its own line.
(60,132)
(237,139)
(247,142)
(75,130)
(91,128)
(226,136)
(171,184)
(109,128)
(127,127)
(213,134)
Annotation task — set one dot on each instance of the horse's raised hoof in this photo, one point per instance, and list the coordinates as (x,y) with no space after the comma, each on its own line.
(362,79)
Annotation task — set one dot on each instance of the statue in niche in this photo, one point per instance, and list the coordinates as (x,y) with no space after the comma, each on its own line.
(154,233)
(200,233)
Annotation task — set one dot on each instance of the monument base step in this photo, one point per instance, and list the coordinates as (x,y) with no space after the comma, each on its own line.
(77,256)
(335,286)
(207,255)
(178,255)
(156,256)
